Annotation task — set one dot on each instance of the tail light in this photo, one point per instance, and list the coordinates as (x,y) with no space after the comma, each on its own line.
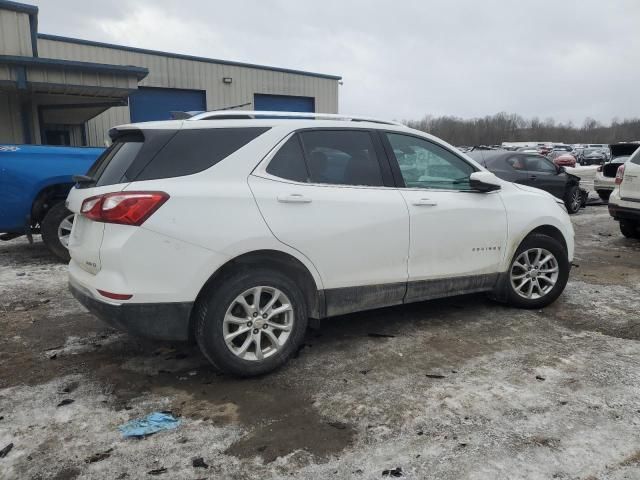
(125,208)
(619,174)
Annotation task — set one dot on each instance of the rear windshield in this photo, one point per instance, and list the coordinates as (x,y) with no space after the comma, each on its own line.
(155,154)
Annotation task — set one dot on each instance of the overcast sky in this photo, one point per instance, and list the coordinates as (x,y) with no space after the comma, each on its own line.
(565,59)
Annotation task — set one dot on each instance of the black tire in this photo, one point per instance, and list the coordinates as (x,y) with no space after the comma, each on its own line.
(604,195)
(49,230)
(211,310)
(553,246)
(573,199)
(630,229)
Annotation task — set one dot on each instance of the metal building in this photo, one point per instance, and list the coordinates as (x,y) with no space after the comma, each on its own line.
(59,90)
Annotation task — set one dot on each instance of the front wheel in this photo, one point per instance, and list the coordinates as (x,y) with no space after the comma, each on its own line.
(630,229)
(573,199)
(604,195)
(56,230)
(252,322)
(538,272)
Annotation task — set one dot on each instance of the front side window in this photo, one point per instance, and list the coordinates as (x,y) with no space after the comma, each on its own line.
(426,165)
(540,164)
(341,157)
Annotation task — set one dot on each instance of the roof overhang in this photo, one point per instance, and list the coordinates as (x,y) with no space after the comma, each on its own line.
(47,75)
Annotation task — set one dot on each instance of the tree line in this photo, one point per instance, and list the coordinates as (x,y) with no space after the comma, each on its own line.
(505,127)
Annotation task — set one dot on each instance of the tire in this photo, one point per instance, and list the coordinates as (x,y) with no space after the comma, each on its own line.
(223,297)
(604,195)
(57,219)
(550,245)
(630,229)
(573,199)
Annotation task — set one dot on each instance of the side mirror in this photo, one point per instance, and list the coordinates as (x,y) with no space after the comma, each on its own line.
(484,181)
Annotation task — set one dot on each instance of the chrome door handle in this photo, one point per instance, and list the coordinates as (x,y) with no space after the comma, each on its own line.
(293,198)
(425,202)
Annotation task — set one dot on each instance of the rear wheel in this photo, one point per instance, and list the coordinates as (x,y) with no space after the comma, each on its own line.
(573,199)
(56,229)
(604,195)
(630,229)
(538,273)
(251,323)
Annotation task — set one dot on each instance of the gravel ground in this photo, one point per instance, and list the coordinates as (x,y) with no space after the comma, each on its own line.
(460,388)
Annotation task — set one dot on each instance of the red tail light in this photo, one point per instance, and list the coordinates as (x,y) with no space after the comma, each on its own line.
(115,296)
(125,208)
(619,174)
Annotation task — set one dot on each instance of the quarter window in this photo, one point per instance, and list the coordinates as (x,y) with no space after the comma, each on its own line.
(288,162)
(426,165)
(341,157)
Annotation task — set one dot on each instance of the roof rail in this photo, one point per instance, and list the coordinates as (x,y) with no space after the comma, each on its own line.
(252,114)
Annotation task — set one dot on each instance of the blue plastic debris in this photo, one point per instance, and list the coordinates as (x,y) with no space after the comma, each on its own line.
(152,423)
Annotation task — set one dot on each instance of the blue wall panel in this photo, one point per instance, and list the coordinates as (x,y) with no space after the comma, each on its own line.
(147,103)
(283,103)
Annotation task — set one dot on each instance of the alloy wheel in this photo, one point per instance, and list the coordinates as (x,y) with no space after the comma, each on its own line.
(64,230)
(534,273)
(258,323)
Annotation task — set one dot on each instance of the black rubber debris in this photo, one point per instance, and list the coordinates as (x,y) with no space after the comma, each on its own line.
(199,462)
(66,401)
(337,425)
(380,335)
(6,450)
(434,375)
(394,472)
(540,378)
(98,457)
(157,471)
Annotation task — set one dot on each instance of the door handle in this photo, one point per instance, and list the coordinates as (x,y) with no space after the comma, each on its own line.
(425,202)
(532,177)
(293,198)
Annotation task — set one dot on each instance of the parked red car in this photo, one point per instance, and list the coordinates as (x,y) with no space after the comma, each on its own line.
(565,160)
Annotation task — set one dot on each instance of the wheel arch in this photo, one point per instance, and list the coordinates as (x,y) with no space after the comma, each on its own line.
(543,229)
(274,259)
(46,197)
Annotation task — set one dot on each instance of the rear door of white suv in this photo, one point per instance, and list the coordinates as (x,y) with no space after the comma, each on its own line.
(458,236)
(329,194)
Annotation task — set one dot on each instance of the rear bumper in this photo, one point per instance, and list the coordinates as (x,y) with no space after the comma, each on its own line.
(624,213)
(161,321)
(600,182)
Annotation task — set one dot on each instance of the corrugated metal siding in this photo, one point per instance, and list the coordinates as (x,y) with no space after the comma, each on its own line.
(171,72)
(15,34)
(10,127)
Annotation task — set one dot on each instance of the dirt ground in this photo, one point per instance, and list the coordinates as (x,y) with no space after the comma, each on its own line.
(460,388)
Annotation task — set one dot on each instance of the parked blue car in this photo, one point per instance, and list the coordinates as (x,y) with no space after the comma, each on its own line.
(34,183)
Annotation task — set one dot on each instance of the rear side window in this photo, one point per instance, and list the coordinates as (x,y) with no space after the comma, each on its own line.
(154,154)
(194,150)
(289,163)
(635,158)
(111,166)
(341,157)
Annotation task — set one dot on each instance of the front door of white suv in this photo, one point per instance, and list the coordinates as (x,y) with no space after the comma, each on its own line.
(329,195)
(458,236)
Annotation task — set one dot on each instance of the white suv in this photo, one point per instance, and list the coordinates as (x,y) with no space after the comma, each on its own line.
(624,202)
(236,231)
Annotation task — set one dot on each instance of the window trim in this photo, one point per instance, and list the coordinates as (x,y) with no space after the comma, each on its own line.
(385,170)
(395,165)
